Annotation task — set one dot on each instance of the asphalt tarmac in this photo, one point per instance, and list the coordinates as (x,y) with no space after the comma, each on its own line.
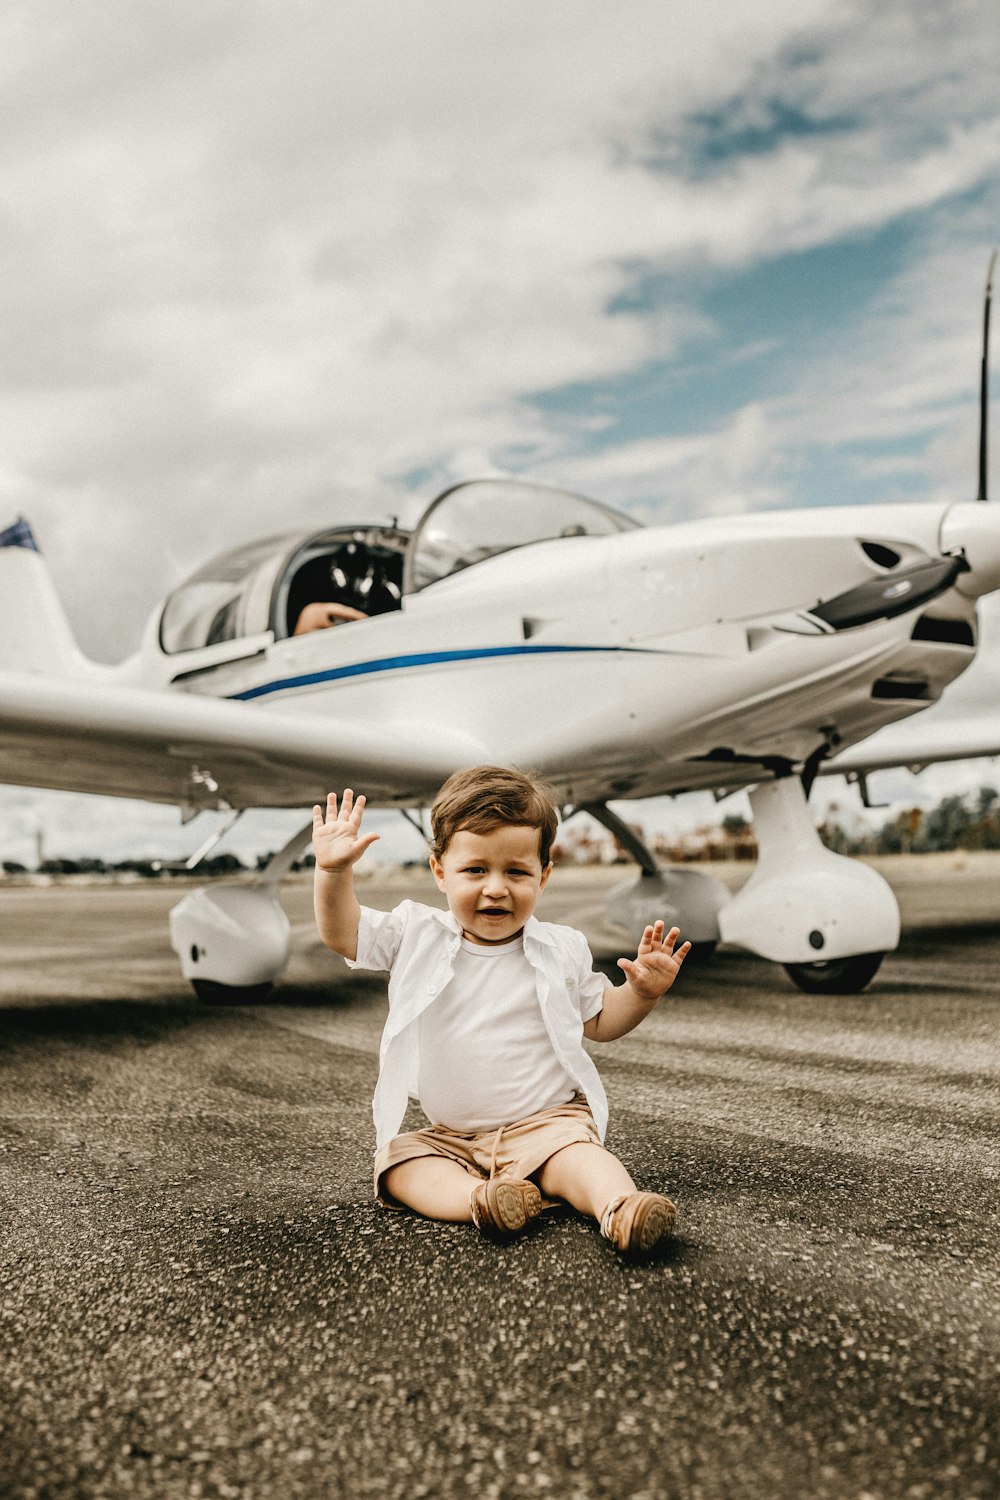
(199,1298)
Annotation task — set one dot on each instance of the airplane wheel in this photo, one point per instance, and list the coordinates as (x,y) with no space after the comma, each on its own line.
(210,992)
(838,976)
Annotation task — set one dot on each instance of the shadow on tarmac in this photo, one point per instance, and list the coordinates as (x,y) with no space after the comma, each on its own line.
(156,1017)
(136,1022)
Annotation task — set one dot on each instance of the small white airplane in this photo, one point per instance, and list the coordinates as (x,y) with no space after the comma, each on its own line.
(525,625)
(522,624)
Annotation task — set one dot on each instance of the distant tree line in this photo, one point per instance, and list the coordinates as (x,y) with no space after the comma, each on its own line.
(969,822)
(150,869)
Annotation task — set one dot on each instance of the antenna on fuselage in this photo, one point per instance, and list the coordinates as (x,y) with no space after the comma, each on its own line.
(984,378)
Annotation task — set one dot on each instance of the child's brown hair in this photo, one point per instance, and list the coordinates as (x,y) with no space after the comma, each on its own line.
(487,797)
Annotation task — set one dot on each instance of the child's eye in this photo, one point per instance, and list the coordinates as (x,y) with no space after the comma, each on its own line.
(517,872)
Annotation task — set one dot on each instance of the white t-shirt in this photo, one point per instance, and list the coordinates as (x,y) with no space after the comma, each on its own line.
(486,1058)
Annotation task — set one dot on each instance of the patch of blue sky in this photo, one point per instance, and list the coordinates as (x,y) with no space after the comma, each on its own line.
(805,299)
(664,398)
(748,124)
(748,127)
(855,474)
(419,479)
(763,323)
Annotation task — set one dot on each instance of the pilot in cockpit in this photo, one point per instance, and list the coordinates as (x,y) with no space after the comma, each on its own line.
(321,615)
(343,582)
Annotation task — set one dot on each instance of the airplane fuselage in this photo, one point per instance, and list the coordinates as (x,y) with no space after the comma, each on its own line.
(654,660)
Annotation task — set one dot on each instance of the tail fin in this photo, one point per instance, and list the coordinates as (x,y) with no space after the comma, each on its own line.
(35,635)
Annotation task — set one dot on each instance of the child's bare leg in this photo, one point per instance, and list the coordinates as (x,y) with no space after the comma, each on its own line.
(586,1176)
(433,1186)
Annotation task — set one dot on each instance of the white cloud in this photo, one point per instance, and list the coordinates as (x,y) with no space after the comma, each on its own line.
(253,256)
(258,263)
(729,470)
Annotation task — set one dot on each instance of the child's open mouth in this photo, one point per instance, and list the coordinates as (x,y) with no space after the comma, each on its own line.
(493,911)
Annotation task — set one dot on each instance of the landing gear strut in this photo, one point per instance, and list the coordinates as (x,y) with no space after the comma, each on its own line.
(682,898)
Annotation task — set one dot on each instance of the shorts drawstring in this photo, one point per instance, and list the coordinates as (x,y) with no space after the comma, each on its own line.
(496,1148)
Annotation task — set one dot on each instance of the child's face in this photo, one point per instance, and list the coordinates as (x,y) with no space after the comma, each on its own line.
(492,880)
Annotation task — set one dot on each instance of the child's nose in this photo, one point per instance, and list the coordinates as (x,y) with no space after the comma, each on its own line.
(495,885)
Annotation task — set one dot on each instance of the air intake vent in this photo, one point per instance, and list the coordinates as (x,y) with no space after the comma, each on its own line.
(885,557)
(950,632)
(913,689)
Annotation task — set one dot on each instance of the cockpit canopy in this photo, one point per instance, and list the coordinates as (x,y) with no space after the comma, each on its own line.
(265,585)
(483,517)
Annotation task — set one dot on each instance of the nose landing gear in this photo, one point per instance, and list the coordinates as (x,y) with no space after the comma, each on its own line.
(829,920)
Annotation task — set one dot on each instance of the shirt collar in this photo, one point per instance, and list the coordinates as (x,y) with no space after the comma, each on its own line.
(538,932)
(447,919)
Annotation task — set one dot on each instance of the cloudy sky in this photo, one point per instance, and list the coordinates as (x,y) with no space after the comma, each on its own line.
(269,266)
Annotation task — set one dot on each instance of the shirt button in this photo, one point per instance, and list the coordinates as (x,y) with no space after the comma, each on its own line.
(432,989)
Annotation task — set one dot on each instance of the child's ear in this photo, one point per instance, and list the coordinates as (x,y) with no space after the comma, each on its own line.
(437,870)
(545,875)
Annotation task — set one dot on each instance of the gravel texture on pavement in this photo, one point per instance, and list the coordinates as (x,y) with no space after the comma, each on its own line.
(199,1297)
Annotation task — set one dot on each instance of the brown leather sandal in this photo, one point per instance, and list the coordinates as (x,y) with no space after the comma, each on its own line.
(503,1207)
(636,1222)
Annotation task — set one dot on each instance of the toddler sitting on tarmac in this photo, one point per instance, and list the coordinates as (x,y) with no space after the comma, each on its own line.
(488,1008)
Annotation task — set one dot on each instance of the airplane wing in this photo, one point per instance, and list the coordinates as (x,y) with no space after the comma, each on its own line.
(203,753)
(916,743)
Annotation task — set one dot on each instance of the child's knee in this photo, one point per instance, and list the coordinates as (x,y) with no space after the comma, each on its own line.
(432,1185)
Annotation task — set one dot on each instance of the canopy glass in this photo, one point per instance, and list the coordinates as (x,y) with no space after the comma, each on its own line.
(484,517)
(228,598)
(266,585)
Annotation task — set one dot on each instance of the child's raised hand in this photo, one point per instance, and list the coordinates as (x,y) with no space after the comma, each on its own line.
(337,837)
(656,965)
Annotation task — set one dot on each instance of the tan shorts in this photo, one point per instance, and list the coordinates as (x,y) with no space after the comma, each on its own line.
(516,1150)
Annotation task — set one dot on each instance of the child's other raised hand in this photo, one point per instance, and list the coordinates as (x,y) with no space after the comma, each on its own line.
(656,965)
(337,837)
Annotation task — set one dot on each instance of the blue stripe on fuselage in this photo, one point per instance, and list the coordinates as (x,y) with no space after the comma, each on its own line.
(418,659)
